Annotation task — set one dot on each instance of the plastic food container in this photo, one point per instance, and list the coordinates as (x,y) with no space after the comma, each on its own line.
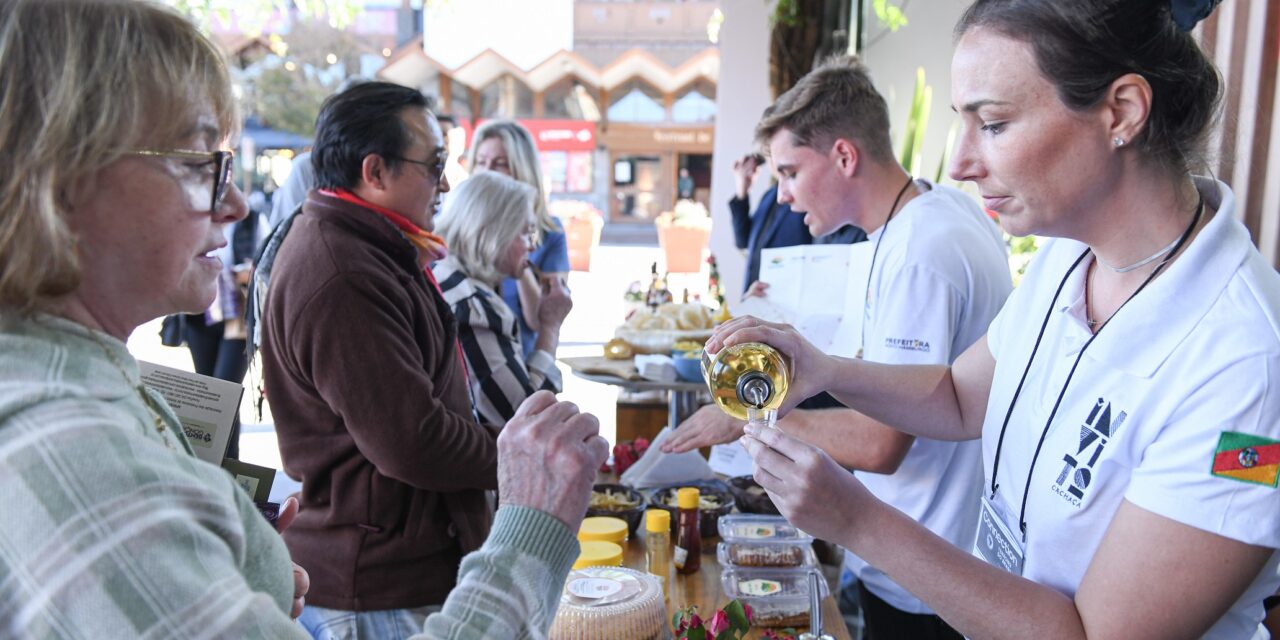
(598,554)
(751,497)
(610,602)
(604,529)
(778,597)
(766,554)
(605,502)
(757,528)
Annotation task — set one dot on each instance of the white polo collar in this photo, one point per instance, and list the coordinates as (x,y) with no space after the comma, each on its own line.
(1143,335)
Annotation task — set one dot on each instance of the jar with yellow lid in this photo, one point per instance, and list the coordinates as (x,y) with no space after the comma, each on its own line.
(603,528)
(596,553)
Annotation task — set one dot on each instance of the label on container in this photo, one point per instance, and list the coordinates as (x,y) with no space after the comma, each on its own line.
(679,555)
(759,587)
(756,531)
(593,588)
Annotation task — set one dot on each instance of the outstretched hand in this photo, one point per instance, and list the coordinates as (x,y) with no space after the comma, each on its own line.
(707,426)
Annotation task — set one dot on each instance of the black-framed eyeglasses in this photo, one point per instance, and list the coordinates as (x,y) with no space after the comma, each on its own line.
(224,162)
(435,169)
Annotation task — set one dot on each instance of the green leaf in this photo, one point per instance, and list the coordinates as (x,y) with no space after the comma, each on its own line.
(896,19)
(914,134)
(697,634)
(946,151)
(890,16)
(737,616)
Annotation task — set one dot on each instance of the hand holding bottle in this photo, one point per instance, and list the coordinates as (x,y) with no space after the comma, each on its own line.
(810,368)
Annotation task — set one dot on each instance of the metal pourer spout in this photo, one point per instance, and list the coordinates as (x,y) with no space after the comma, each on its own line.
(754,389)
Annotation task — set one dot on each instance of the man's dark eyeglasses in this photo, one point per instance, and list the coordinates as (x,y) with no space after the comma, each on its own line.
(224,160)
(434,169)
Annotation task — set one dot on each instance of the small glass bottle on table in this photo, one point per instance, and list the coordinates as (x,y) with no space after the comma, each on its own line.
(657,544)
(687,554)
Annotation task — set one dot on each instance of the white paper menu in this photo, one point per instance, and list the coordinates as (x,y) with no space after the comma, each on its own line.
(206,406)
(819,289)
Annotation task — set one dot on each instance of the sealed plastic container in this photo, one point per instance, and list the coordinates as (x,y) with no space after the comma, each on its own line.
(610,602)
(598,554)
(778,597)
(766,554)
(758,528)
(604,529)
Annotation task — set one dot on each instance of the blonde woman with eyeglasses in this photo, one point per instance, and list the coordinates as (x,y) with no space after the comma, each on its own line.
(506,147)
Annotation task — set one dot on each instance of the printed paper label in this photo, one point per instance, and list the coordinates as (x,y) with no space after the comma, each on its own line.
(594,588)
(678,556)
(756,531)
(759,587)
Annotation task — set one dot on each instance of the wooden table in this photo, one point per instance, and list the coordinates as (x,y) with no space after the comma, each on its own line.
(703,587)
(682,396)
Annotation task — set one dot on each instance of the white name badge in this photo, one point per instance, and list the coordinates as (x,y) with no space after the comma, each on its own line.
(995,543)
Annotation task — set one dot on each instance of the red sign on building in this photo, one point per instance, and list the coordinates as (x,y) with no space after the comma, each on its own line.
(556,135)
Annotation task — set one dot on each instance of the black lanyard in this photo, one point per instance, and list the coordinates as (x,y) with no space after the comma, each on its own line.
(995,466)
(870,270)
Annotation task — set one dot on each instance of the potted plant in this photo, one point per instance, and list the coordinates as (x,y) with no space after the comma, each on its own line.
(582,224)
(683,235)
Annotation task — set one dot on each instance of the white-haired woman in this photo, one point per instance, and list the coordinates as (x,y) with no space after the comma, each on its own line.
(506,147)
(489,225)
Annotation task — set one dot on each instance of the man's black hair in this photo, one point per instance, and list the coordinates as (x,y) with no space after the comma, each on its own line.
(362,120)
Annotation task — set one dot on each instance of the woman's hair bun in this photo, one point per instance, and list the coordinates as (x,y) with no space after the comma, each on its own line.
(1186,13)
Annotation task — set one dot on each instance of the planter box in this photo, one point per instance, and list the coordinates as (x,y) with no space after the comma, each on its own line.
(581,236)
(683,247)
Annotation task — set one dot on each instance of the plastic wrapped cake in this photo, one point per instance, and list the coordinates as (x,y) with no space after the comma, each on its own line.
(610,603)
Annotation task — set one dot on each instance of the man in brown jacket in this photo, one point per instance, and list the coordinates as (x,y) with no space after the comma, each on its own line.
(365,378)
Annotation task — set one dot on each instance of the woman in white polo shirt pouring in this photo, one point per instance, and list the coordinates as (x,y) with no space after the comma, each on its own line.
(1127,396)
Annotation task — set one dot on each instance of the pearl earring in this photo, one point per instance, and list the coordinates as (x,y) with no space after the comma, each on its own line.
(1119,142)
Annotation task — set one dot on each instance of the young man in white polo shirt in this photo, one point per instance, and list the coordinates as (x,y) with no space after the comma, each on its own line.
(939,275)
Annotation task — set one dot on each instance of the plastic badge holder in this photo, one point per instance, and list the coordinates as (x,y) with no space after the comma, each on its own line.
(778,597)
(758,528)
(771,553)
(610,602)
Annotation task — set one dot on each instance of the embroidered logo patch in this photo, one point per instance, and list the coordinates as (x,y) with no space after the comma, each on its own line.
(1247,458)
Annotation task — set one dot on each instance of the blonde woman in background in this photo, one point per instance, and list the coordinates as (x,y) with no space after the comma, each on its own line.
(489,225)
(506,147)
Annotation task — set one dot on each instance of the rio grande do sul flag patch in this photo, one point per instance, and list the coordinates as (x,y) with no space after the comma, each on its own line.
(1247,458)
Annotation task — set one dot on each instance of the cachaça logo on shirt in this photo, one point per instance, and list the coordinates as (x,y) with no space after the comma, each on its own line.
(1096,430)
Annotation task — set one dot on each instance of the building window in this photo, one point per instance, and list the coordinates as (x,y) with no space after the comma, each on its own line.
(459,100)
(506,97)
(571,100)
(636,101)
(567,171)
(698,104)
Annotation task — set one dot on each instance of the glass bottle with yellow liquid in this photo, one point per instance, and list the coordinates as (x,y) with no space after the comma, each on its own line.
(747,381)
